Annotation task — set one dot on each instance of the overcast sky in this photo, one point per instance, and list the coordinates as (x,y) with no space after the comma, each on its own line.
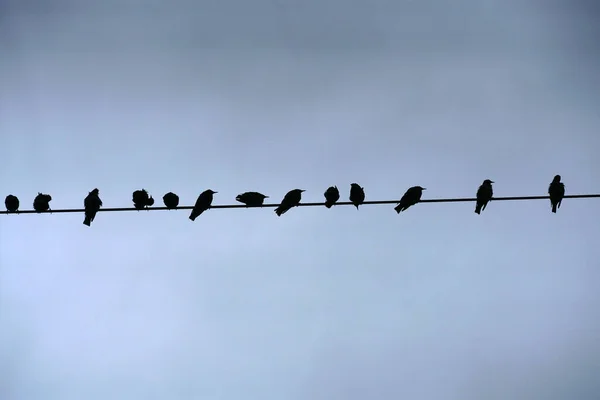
(271,95)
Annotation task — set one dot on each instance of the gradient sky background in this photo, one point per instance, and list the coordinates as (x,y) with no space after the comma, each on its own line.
(436,303)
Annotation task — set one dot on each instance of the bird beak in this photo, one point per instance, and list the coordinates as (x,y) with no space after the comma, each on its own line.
(266,197)
(302,190)
(215,192)
(424,188)
(492,181)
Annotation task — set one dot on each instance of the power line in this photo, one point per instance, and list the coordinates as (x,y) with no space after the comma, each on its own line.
(344,203)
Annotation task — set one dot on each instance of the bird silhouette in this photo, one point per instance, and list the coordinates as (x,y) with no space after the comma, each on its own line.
(556,190)
(202,204)
(410,198)
(484,195)
(357,194)
(12,203)
(332,195)
(251,199)
(150,202)
(91,204)
(41,202)
(291,199)
(140,198)
(171,200)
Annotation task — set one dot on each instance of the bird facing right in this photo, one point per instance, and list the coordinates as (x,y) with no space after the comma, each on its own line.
(556,190)
(202,204)
(41,202)
(410,198)
(91,204)
(251,199)
(290,200)
(484,195)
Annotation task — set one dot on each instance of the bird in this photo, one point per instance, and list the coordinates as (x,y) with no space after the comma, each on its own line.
(12,203)
(332,195)
(291,199)
(251,199)
(171,200)
(357,194)
(41,202)
(484,195)
(202,204)
(141,199)
(410,198)
(91,204)
(556,190)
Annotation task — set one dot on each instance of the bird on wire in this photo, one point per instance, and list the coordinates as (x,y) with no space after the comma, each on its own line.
(91,205)
(202,204)
(291,199)
(41,202)
(410,198)
(556,190)
(141,199)
(332,195)
(357,194)
(12,203)
(251,199)
(484,195)
(171,200)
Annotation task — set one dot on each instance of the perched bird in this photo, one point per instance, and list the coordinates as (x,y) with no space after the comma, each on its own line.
(202,204)
(484,195)
(91,204)
(42,202)
(141,199)
(410,198)
(556,190)
(171,200)
(291,199)
(251,199)
(12,203)
(357,194)
(332,195)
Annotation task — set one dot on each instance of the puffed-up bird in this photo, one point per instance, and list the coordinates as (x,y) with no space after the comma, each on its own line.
(251,199)
(91,205)
(141,199)
(332,195)
(357,194)
(12,203)
(556,190)
(291,199)
(202,204)
(41,202)
(171,200)
(410,198)
(484,195)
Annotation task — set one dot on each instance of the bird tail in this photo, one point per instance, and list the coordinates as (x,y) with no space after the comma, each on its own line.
(193,216)
(87,221)
(554,208)
(478,209)
(356,205)
(398,208)
(328,205)
(279,211)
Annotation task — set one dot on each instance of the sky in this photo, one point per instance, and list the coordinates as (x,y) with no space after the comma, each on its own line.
(272,95)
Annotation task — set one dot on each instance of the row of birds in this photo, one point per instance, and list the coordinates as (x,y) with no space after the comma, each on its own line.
(141,199)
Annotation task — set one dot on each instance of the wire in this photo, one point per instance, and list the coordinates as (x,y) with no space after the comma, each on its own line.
(343,203)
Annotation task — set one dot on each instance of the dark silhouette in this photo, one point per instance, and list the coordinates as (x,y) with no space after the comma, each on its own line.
(91,204)
(41,202)
(410,198)
(357,194)
(150,202)
(484,195)
(171,200)
(202,204)
(141,199)
(556,190)
(251,199)
(291,199)
(332,195)
(12,203)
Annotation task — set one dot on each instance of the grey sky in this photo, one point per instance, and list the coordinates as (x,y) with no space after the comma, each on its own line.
(437,303)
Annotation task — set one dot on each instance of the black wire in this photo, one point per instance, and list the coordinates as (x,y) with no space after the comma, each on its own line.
(343,203)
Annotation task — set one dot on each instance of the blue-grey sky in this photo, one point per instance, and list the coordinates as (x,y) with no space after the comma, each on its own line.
(270,95)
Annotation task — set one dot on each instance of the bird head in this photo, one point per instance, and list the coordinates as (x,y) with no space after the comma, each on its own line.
(421,188)
(95,191)
(211,191)
(488,182)
(264,196)
(556,178)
